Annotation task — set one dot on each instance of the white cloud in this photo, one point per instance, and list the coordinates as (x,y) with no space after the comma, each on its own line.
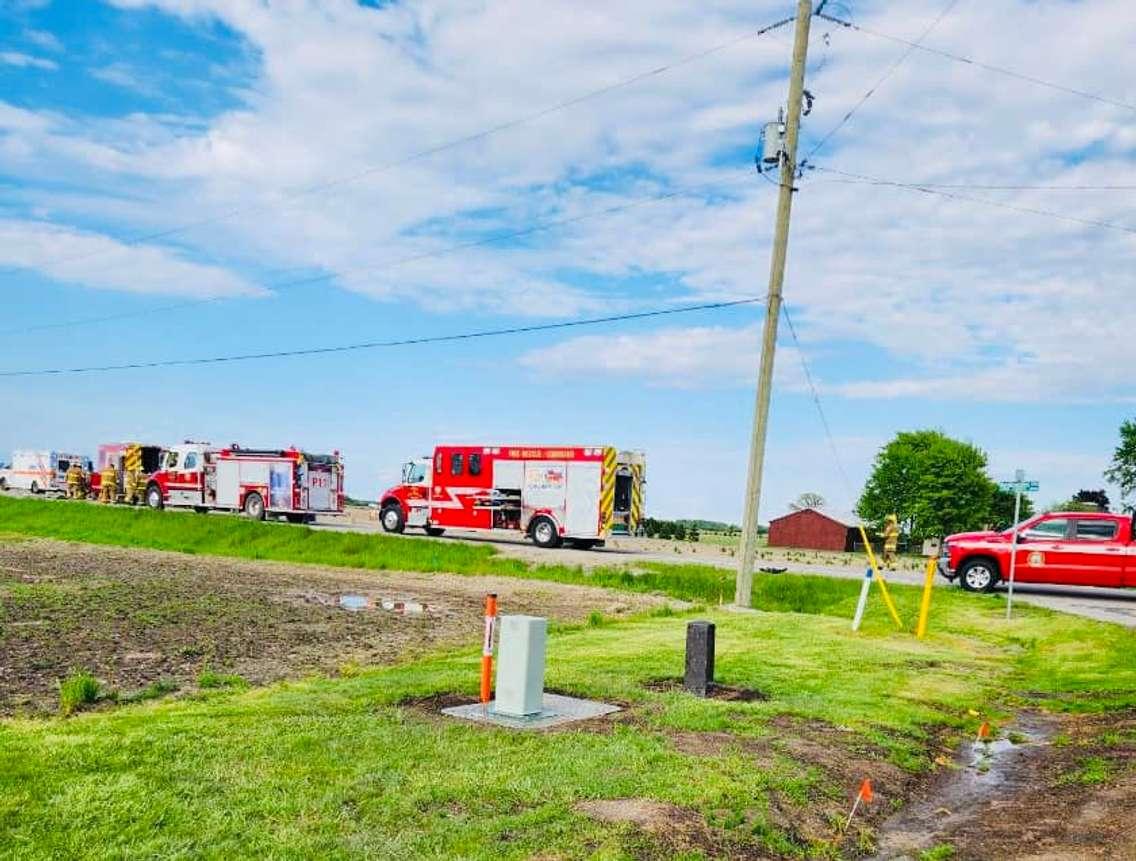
(680,357)
(44,39)
(15,58)
(74,256)
(965,300)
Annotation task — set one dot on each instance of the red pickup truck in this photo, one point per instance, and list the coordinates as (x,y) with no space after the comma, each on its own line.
(1070,548)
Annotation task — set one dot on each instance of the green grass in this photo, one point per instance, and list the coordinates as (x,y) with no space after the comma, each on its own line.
(209,679)
(344,768)
(76,691)
(1091,771)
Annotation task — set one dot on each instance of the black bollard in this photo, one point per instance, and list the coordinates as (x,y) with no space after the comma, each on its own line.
(699,678)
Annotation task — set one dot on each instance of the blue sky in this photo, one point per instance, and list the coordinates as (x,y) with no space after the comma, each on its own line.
(211,121)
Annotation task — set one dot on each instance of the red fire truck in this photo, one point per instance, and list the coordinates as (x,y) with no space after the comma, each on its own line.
(579,494)
(123,455)
(259,482)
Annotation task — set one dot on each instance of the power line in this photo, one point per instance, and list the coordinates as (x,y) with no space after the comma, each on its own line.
(816,400)
(971,186)
(990,67)
(381,267)
(883,78)
(374,345)
(924,189)
(432,150)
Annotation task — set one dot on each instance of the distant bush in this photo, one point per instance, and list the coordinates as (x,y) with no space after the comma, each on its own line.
(77,690)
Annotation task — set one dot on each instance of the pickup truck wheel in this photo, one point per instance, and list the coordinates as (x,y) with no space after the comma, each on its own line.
(544,533)
(978,575)
(254,506)
(154,498)
(435,531)
(392,519)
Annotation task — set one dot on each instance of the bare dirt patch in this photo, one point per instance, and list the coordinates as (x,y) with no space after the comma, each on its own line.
(675,828)
(133,617)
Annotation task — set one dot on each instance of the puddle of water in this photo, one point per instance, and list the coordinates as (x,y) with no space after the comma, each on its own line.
(354,602)
(403,608)
(982,769)
(362,602)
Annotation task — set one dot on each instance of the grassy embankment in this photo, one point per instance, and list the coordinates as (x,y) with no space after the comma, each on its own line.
(214,535)
(343,767)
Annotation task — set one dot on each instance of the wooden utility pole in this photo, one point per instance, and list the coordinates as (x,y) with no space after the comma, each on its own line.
(743,593)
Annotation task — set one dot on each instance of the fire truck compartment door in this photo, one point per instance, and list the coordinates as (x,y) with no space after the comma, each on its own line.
(280,487)
(508,474)
(583,506)
(228,484)
(545,489)
(321,487)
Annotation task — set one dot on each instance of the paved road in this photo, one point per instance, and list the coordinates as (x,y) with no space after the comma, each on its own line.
(1107,605)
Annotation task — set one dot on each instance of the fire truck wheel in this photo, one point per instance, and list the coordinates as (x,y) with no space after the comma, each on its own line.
(35,487)
(544,532)
(254,506)
(154,497)
(435,531)
(392,519)
(978,575)
(3,484)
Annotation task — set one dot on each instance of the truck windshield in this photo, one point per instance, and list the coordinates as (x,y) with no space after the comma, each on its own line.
(413,473)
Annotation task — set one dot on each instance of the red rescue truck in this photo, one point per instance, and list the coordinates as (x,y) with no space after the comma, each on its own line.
(552,494)
(1068,548)
(259,482)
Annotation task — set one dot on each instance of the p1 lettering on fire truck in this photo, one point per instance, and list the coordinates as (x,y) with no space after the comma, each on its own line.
(259,482)
(580,494)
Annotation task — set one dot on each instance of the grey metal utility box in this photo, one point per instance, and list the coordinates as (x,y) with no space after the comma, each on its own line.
(520,665)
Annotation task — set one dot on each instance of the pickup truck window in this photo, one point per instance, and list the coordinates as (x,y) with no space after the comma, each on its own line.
(1051,530)
(1095,530)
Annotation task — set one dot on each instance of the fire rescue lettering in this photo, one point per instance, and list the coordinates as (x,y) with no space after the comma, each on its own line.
(542,453)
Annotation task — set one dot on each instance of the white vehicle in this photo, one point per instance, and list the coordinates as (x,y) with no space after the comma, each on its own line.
(40,471)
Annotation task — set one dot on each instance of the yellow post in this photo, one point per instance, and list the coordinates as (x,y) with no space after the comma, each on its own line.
(879,577)
(925,604)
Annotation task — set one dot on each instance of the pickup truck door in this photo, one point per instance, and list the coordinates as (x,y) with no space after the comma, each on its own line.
(1042,552)
(1096,553)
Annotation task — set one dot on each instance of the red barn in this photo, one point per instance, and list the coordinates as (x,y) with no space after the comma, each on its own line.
(812,529)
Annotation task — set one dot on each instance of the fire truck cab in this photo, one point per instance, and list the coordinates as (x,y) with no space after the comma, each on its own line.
(552,494)
(258,482)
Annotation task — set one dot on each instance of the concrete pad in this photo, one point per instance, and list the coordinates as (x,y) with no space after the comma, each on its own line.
(555,710)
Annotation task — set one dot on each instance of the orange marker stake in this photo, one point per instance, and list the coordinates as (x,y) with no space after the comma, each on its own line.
(984,732)
(487,648)
(864,795)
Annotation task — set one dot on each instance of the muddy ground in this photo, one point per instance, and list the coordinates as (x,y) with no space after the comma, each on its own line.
(133,617)
(1053,787)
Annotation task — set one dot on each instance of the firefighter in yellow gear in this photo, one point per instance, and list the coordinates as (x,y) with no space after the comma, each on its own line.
(135,487)
(108,484)
(891,540)
(76,482)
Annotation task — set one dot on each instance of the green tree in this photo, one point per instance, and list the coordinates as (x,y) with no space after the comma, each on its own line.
(1002,508)
(1122,471)
(934,484)
(1098,499)
(806,501)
